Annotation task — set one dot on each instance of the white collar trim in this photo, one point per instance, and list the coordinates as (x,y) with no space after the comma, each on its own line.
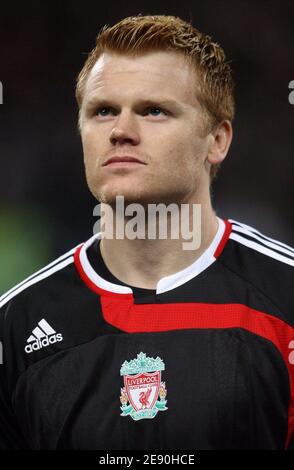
(205,260)
(166,283)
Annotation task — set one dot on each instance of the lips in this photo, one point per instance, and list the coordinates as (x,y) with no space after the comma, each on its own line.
(123,159)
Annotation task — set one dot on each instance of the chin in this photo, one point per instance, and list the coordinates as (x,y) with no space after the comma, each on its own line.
(130,195)
(107,194)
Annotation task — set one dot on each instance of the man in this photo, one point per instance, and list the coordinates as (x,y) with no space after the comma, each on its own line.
(137,343)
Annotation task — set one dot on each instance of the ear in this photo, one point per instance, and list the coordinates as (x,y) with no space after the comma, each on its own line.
(221,138)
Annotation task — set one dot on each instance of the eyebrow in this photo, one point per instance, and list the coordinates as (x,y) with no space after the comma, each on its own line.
(156,101)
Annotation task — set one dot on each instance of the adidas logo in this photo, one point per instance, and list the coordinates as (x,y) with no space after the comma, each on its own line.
(43,335)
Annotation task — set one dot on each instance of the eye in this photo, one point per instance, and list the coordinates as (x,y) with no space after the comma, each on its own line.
(105,111)
(155,111)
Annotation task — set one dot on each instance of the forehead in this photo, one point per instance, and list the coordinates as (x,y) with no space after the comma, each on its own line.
(162,72)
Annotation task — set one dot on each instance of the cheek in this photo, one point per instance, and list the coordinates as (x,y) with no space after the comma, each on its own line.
(88,143)
(90,150)
(91,138)
(185,159)
(182,154)
(90,160)
(85,144)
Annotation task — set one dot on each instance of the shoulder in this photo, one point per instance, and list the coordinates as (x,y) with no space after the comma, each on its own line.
(263,262)
(31,311)
(272,250)
(55,273)
(42,315)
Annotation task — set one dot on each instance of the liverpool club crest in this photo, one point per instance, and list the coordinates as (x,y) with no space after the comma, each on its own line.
(143,394)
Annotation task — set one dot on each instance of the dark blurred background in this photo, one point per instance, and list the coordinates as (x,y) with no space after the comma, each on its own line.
(45,206)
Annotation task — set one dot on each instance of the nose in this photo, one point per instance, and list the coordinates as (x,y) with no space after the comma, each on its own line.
(125,130)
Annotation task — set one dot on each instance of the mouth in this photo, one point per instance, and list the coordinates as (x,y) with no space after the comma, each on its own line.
(123,161)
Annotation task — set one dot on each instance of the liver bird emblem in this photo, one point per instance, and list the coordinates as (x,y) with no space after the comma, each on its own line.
(144,398)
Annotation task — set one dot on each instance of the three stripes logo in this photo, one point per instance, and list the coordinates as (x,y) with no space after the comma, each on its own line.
(43,335)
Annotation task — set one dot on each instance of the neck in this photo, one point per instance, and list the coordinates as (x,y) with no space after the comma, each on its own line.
(143,262)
